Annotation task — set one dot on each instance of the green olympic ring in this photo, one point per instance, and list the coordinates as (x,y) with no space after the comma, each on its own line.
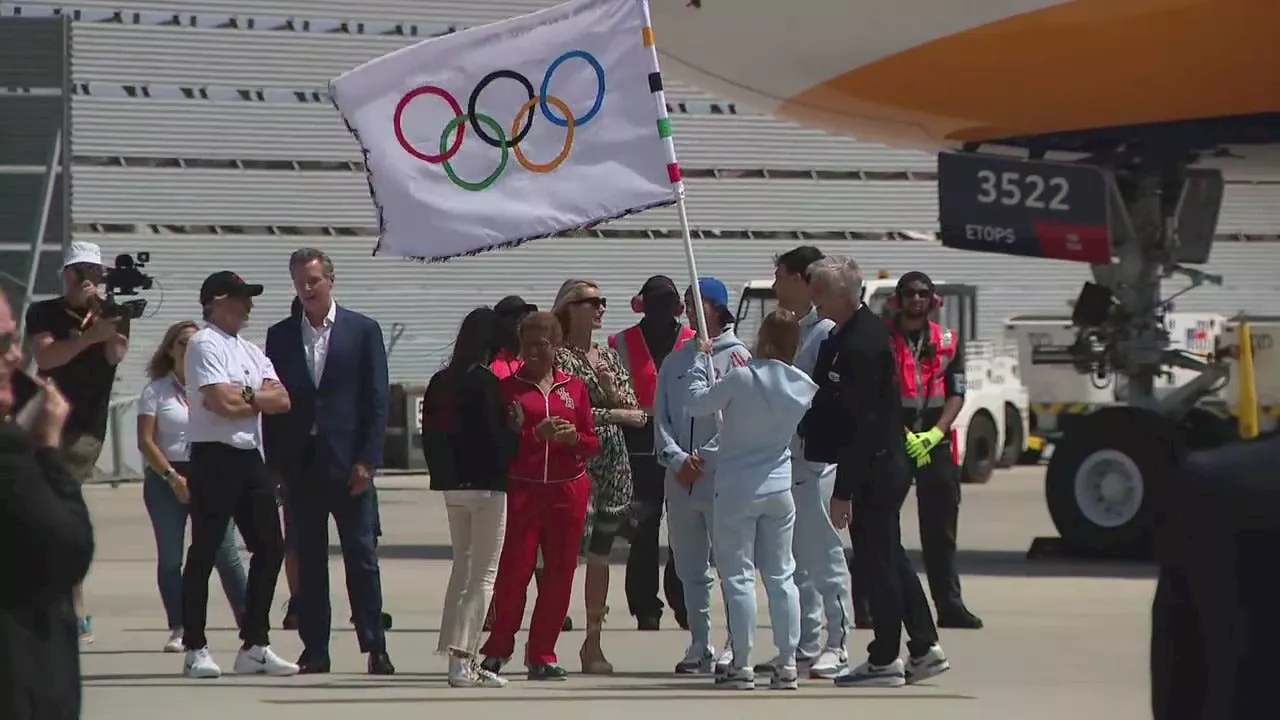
(502,164)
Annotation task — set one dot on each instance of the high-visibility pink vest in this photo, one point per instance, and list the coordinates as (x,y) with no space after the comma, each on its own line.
(634,352)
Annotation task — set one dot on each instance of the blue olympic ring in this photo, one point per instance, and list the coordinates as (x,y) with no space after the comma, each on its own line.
(546,84)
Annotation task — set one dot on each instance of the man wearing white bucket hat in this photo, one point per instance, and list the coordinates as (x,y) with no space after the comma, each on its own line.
(78,348)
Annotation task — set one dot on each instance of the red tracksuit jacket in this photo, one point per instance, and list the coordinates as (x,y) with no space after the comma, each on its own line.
(547,462)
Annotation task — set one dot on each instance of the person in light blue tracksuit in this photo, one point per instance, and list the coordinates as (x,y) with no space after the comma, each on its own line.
(822,574)
(754,514)
(686,446)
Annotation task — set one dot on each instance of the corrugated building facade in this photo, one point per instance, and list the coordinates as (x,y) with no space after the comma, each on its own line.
(201,134)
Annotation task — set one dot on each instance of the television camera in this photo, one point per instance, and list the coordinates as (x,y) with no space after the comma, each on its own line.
(127,279)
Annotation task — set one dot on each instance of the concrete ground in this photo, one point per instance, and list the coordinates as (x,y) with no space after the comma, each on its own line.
(1063,639)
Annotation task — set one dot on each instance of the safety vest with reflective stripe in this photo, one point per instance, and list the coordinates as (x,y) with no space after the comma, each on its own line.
(921,375)
(634,352)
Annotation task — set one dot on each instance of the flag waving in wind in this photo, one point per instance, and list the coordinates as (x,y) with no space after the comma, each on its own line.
(526,128)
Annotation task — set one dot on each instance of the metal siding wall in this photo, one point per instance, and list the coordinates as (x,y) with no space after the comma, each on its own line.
(430,300)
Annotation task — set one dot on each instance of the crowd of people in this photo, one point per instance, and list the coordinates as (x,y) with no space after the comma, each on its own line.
(759,457)
(548,446)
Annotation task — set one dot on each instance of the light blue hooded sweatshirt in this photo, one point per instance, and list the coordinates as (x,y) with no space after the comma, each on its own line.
(677,433)
(754,513)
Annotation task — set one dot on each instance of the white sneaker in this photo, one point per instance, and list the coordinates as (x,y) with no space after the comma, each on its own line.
(200,664)
(830,663)
(867,675)
(784,677)
(175,642)
(736,678)
(485,679)
(697,661)
(931,664)
(460,672)
(725,661)
(262,660)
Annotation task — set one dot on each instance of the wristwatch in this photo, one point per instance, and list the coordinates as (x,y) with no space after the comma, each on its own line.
(247,394)
(169,474)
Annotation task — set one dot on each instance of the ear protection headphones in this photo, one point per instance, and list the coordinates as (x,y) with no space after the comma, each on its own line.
(637,306)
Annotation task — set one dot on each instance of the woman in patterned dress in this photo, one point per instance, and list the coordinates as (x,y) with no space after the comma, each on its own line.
(580,308)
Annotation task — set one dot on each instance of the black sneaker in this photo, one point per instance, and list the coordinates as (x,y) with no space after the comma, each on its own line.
(959,619)
(494,664)
(547,671)
(649,622)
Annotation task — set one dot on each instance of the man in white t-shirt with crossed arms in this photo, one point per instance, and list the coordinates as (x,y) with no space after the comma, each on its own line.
(230,382)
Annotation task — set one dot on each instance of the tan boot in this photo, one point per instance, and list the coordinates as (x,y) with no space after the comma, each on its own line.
(591,654)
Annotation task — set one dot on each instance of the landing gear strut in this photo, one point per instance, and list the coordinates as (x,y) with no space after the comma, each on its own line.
(1137,216)
(1106,473)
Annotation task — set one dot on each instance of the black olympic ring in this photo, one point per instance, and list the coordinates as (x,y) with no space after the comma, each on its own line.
(475,120)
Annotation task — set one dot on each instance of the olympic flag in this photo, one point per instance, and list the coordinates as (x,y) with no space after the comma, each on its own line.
(522,129)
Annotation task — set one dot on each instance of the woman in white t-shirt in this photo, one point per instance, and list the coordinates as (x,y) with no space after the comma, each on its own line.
(162,439)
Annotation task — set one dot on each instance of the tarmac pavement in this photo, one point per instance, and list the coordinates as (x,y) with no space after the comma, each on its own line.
(1063,639)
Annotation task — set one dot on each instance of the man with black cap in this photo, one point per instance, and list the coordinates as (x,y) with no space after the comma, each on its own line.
(230,382)
(643,347)
(930,370)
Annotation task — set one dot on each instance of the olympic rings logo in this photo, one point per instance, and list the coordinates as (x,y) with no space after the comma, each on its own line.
(491,132)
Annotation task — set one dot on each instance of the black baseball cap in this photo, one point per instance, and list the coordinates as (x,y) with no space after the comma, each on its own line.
(514,305)
(657,286)
(225,283)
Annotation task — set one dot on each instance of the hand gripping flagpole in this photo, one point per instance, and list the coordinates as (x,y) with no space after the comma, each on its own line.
(673,167)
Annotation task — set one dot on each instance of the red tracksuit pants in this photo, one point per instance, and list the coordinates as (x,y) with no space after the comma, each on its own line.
(551,516)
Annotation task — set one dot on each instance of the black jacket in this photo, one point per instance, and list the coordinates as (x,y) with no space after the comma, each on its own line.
(855,420)
(46,545)
(466,439)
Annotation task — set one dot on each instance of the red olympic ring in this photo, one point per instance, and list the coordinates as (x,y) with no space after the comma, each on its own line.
(399,128)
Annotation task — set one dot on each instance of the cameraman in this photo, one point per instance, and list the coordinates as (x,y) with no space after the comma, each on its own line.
(79,349)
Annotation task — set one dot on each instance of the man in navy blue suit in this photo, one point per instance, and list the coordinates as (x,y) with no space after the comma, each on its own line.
(326,448)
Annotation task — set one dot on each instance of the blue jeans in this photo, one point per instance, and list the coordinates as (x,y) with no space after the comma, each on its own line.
(819,552)
(169,523)
(753,534)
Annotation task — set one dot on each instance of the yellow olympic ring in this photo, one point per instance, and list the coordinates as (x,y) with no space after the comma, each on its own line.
(568,136)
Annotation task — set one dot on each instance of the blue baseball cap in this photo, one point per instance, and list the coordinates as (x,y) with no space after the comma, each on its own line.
(713,291)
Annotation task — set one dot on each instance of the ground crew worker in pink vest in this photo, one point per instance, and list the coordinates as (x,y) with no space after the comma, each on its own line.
(643,347)
(930,366)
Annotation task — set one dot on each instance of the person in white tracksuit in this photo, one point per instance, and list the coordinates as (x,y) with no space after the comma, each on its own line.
(754,511)
(823,574)
(686,446)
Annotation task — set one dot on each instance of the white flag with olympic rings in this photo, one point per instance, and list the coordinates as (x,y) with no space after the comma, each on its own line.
(523,129)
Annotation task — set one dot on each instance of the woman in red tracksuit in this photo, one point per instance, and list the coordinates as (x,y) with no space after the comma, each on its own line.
(546,500)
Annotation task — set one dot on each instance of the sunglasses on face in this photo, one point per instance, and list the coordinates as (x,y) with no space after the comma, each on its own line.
(595,302)
(922,293)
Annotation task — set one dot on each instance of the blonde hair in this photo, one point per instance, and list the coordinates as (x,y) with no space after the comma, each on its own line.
(544,323)
(161,362)
(779,336)
(571,291)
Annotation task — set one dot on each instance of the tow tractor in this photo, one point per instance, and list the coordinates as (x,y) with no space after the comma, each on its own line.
(992,429)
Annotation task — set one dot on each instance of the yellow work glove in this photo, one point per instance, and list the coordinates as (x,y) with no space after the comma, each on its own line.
(916,449)
(931,439)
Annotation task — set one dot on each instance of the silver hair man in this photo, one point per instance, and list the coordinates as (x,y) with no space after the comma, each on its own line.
(836,284)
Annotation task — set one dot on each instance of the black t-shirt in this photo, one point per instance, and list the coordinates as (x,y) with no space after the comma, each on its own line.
(85,381)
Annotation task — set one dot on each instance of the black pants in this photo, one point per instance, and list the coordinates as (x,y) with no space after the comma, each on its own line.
(892,587)
(228,483)
(313,498)
(647,478)
(938,504)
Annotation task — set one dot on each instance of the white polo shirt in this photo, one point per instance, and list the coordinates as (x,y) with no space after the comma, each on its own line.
(216,358)
(166,401)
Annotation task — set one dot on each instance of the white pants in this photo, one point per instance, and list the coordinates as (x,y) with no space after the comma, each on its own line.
(477,524)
